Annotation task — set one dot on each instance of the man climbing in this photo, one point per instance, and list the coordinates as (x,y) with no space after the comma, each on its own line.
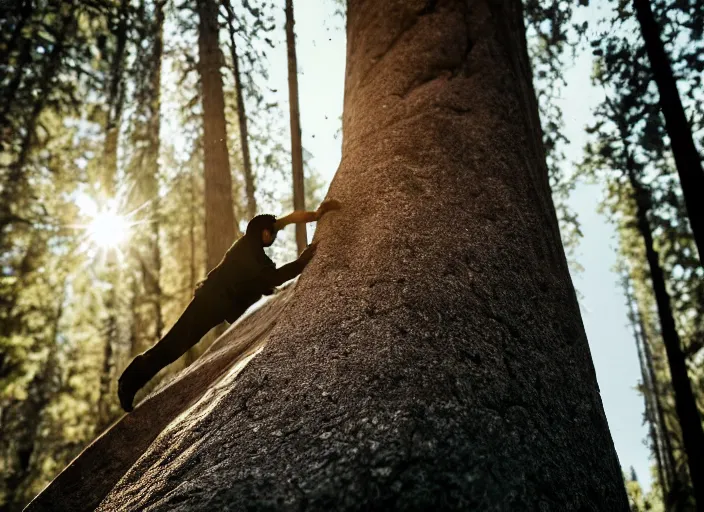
(243,275)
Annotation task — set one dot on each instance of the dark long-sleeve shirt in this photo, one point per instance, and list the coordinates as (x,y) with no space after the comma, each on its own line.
(245,273)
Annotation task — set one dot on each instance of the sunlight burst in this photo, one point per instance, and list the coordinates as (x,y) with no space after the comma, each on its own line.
(108,229)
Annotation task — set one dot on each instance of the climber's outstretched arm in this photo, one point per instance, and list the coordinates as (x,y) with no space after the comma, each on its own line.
(277,277)
(296,217)
(300,216)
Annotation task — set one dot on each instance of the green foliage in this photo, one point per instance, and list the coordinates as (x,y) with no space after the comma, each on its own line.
(552,39)
(628,134)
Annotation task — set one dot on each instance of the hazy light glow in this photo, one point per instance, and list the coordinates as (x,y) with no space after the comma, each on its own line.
(108,229)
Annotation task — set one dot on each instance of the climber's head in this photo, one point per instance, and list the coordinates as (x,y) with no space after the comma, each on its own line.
(262,228)
(268,237)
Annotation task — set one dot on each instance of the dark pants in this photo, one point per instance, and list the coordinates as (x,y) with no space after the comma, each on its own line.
(207,310)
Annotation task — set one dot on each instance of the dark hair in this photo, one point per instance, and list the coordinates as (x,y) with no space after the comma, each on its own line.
(259,224)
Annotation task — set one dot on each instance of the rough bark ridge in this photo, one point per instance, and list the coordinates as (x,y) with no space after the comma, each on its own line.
(432,356)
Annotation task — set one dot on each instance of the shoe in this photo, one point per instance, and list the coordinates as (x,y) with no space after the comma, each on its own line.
(129,383)
(125,395)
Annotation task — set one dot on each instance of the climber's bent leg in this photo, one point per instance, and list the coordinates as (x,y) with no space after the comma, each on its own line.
(199,317)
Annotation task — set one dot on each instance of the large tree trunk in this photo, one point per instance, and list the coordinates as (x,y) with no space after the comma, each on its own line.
(220,225)
(687,158)
(241,113)
(685,402)
(432,355)
(299,193)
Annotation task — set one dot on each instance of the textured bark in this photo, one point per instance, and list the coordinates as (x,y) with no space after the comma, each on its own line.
(241,114)
(299,193)
(685,401)
(687,159)
(220,224)
(432,356)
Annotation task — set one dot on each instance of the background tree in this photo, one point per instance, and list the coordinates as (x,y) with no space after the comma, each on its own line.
(241,112)
(630,149)
(143,174)
(685,153)
(299,202)
(220,225)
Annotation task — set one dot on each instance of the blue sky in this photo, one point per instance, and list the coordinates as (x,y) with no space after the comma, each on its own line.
(321,56)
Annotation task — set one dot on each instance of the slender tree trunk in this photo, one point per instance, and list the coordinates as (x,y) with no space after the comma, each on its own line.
(668,457)
(648,389)
(432,356)
(135,346)
(687,159)
(220,224)
(104,392)
(241,114)
(115,103)
(299,193)
(192,272)
(685,403)
(152,169)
